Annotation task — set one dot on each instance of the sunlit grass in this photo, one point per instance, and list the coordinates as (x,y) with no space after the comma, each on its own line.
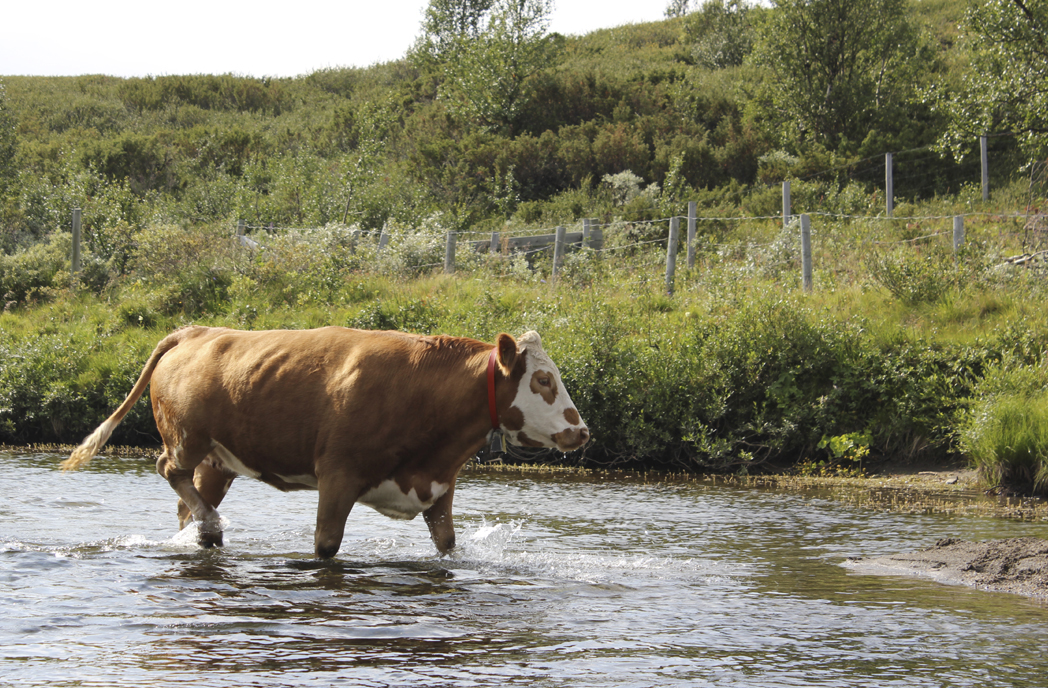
(1008,441)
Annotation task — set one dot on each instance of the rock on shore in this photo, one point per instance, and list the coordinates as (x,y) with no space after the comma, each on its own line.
(1016,565)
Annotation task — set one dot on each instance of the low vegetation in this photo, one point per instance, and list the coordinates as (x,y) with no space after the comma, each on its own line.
(902,350)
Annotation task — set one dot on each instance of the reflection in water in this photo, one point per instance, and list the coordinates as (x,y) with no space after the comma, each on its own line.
(557,582)
(347,615)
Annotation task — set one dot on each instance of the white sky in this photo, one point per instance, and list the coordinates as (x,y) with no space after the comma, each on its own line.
(263,38)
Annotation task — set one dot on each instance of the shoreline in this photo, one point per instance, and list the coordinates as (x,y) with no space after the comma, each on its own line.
(1012,565)
(894,486)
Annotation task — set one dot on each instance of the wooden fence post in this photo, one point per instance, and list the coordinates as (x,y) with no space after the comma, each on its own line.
(958,233)
(241,228)
(806,251)
(449,254)
(889,185)
(786,210)
(985,159)
(585,232)
(693,212)
(671,253)
(383,241)
(74,259)
(493,247)
(558,251)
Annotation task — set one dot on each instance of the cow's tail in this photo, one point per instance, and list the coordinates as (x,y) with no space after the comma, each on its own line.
(93,443)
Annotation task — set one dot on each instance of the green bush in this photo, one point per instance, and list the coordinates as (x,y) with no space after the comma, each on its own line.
(59,387)
(187,270)
(914,275)
(761,383)
(1005,432)
(706,393)
(40,398)
(35,274)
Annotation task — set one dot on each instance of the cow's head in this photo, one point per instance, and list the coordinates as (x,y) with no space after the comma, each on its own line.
(539,413)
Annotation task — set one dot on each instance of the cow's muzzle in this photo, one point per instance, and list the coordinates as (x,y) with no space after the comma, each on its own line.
(572,438)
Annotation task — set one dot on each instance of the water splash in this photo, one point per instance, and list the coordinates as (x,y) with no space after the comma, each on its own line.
(189,537)
(492,541)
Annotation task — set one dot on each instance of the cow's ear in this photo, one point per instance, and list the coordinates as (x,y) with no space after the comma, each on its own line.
(507,352)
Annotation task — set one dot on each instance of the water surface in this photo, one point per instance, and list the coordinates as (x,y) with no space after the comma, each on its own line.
(558,581)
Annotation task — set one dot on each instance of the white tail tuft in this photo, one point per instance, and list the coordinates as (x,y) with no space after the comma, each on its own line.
(90,446)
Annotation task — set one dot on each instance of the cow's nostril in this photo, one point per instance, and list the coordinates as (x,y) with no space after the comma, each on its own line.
(584,435)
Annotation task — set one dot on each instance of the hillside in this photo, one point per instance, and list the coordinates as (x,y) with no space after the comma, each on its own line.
(370,146)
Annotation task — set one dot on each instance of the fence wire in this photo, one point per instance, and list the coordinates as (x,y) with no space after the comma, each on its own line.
(656,232)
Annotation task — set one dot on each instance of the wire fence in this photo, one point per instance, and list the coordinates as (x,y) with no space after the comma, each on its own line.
(796,238)
(722,232)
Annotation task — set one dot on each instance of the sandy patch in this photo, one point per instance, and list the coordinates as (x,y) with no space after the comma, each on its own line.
(1016,565)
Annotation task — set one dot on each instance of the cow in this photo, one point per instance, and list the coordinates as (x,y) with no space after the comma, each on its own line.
(383,418)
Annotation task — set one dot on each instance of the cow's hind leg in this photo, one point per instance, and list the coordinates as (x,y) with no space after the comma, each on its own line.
(212,481)
(178,466)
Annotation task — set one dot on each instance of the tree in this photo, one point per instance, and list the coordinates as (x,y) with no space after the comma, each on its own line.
(486,79)
(677,8)
(836,63)
(1005,88)
(720,32)
(447,26)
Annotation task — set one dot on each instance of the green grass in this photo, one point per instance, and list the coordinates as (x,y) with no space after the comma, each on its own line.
(1005,431)
(1009,443)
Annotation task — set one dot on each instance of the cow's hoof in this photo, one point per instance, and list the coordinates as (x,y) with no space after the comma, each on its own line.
(209,541)
(326,552)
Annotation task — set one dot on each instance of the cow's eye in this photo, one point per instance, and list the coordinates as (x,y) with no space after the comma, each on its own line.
(544,381)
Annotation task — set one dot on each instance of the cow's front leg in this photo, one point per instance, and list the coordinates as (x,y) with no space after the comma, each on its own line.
(337,496)
(441,525)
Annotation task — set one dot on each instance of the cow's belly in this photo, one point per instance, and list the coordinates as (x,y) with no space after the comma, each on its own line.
(282,482)
(389,499)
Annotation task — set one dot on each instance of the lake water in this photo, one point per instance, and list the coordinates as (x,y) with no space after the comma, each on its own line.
(558,581)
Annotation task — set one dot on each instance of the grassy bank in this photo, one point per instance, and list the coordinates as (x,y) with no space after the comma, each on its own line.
(902,351)
(905,488)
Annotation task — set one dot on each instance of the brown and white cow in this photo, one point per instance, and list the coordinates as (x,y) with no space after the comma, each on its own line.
(386,419)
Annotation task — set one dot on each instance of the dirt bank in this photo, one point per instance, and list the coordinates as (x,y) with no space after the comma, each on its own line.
(908,489)
(1017,565)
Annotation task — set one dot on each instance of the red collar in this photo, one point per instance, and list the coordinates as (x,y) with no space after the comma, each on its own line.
(492,408)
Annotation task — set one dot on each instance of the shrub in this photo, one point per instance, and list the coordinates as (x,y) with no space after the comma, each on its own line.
(188,269)
(913,277)
(40,399)
(34,274)
(413,250)
(1005,433)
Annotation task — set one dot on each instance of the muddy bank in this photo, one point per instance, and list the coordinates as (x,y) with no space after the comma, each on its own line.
(1017,565)
(906,489)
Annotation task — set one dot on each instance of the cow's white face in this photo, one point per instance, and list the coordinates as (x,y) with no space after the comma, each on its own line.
(541,414)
